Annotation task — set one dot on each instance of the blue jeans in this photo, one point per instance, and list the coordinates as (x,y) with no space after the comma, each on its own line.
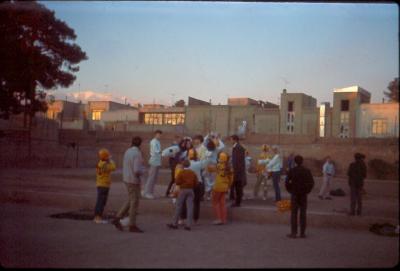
(102,195)
(276,176)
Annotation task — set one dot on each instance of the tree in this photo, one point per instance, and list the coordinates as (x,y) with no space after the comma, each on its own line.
(36,53)
(180,103)
(393,93)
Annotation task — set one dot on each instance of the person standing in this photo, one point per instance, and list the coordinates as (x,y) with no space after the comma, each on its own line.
(172,153)
(187,180)
(328,170)
(299,184)
(155,164)
(132,170)
(103,182)
(356,172)
(221,186)
(261,173)
(239,170)
(275,167)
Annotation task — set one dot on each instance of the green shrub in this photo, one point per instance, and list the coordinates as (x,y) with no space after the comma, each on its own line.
(382,169)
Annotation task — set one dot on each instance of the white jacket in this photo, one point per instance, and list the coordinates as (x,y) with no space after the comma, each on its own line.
(155,152)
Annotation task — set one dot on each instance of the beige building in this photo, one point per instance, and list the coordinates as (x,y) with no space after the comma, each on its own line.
(298,114)
(346,103)
(378,120)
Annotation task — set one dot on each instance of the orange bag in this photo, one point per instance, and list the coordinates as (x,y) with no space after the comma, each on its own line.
(283,205)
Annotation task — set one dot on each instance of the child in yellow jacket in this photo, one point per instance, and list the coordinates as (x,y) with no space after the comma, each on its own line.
(223,181)
(103,181)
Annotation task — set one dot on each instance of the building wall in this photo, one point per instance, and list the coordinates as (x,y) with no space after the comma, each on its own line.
(302,103)
(201,119)
(267,122)
(310,122)
(121,115)
(356,96)
(389,112)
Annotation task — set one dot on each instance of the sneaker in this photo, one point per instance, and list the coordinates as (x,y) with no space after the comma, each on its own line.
(264,198)
(99,220)
(134,228)
(291,235)
(187,228)
(181,222)
(217,222)
(149,196)
(172,226)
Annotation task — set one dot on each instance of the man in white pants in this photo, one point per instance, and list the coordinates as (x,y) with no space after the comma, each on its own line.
(155,164)
(328,171)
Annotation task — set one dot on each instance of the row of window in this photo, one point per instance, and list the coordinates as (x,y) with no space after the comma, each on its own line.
(164,118)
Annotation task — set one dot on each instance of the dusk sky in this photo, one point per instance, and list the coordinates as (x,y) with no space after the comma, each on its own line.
(214,50)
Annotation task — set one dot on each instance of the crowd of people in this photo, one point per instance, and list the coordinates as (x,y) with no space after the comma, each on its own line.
(202,170)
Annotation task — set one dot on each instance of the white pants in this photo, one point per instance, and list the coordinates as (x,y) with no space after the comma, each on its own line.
(326,186)
(151,180)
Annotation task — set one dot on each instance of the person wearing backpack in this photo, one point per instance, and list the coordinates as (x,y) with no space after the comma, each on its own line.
(299,184)
(356,172)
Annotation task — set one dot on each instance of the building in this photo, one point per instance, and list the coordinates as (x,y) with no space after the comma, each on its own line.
(298,114)
(378,120)
(351,115)
(346,104)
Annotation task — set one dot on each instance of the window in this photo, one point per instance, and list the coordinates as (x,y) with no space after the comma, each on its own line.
(322,117)
(51,114)
(379,127)
(174,119)
(290,106)
(290,122)
(344,124)
(344,105)
(96,114)
(153,118)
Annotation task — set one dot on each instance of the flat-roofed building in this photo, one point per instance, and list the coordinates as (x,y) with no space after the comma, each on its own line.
(298,114)
(378,120)
(346,103)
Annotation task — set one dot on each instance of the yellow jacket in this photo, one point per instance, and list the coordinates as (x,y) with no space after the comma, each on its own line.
(222,181)
(262,156)
(103,172)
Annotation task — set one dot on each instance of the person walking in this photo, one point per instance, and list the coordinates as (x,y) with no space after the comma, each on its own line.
(356,173)
(328,171)
(132,170)
(299,184)
(239,170)
(187,180)
(155,164)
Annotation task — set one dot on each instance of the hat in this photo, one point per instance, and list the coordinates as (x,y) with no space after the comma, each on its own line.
(223,157)
(104,154)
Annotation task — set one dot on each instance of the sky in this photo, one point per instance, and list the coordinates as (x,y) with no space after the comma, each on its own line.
(165,51)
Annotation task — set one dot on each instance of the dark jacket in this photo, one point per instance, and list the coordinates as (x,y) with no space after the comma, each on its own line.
(239,164)
(357,172)
(299,181)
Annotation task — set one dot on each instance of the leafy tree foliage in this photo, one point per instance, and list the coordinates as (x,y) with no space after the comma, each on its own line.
(393,93)
(37,52)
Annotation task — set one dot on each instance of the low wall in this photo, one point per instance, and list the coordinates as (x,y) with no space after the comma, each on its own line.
(57,152)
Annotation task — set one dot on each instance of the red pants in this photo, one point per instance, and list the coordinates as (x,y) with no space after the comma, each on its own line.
(218,202)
